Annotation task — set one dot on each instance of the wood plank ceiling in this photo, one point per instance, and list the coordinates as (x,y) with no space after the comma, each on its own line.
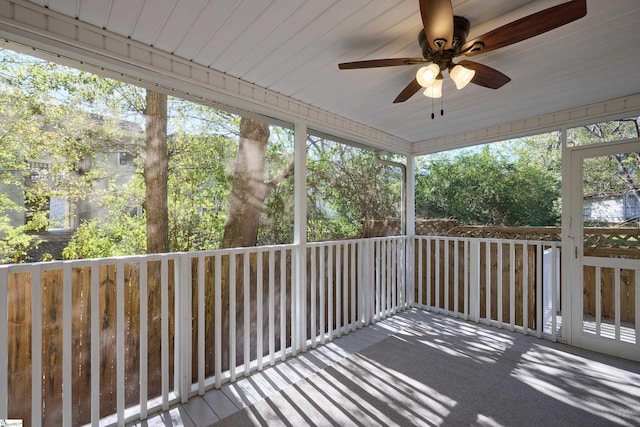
(294,46)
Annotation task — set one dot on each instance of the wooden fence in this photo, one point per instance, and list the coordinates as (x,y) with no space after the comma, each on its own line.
(495,281)
(127,322)
(21,328)
(598,241)
(601,242)
(20,318)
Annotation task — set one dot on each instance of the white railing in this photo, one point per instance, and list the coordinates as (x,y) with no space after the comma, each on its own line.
(622,277)
(377,269)
(108,341)
(504,283)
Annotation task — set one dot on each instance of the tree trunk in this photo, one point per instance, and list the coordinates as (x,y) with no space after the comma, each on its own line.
(156,208)
(249,189)
(155,173)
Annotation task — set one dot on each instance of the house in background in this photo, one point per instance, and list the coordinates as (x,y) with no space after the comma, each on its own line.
(64,214)
(612,209)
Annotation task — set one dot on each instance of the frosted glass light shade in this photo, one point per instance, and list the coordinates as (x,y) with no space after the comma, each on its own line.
(461,76)
(435,90)
(427,75)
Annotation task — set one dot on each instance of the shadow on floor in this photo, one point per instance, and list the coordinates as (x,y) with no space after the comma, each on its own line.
(419,368)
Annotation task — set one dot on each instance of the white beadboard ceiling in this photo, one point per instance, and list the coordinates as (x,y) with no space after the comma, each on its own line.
(293,47)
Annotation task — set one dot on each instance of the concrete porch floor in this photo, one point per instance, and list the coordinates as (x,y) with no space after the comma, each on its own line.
(419,368)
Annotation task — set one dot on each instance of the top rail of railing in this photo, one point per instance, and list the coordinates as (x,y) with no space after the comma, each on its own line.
(80,263)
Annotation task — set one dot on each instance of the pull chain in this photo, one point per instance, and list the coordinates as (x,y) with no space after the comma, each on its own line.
(433,116)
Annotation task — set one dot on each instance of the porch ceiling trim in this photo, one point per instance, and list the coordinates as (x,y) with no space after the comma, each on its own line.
(624,107)
(106,53)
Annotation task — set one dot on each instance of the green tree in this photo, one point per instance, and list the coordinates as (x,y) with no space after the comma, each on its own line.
(485,187)
(347,185)
(614,174)
(277,216)
(51,133)
(74,120)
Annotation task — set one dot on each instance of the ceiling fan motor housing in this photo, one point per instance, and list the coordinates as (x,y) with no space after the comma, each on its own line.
(461,28)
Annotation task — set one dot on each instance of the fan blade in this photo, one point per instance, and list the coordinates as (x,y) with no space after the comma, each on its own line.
(527,27)
(437,18)
(486,76)
(408,91)
(373,63)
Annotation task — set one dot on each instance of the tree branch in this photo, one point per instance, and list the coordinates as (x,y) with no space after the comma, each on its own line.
(286,173)
(626,176)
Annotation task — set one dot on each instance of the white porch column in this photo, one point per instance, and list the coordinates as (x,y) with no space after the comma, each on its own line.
(568,241)
(410,221)
(298,297)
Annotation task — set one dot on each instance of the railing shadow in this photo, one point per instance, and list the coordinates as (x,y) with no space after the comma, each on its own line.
(436,370)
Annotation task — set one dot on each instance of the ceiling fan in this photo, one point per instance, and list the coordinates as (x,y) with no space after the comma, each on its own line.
(445,37)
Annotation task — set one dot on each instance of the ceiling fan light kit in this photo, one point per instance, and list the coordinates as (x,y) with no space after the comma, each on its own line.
(444,37)
(434,90)
(461,76)
(426,76)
